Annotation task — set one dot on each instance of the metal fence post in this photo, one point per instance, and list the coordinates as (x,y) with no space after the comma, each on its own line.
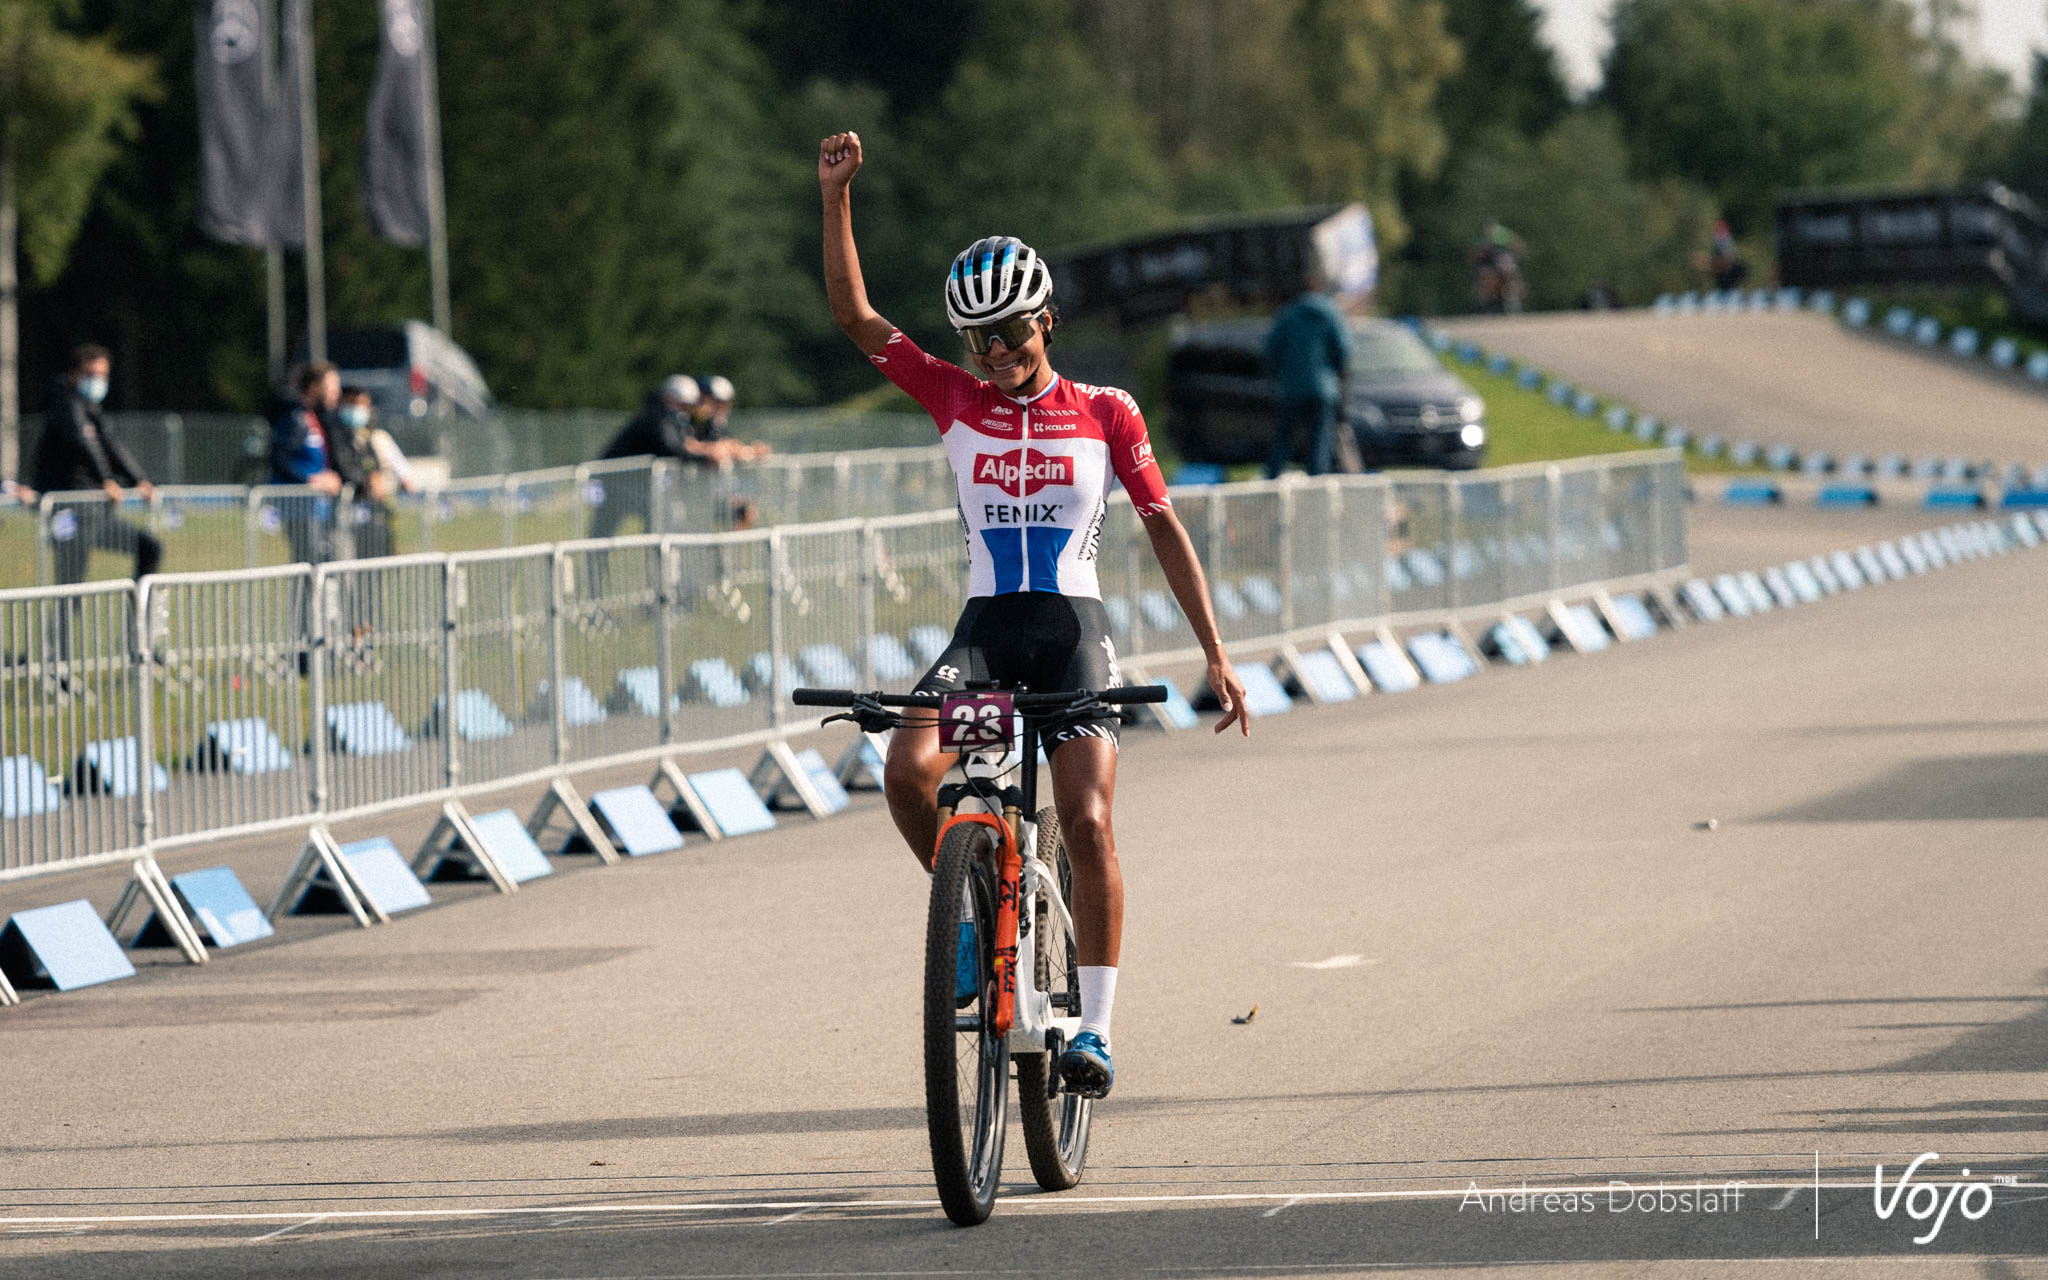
(1553,499)
(778,565)
(669,572)
(1287,487)
(250,507)
(316,648)
(870,550)
(145,716)
(44,569)
(508,513)
(454,586)
(558,664)
(1454,513)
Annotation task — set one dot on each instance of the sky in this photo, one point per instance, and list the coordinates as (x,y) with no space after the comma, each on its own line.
(2010,30)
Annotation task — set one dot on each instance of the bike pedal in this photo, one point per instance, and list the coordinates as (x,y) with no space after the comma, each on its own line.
(1055,1045)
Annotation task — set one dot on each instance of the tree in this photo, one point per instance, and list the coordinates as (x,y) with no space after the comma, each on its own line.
(1507,76)
(64,103)
(1751,97)
(2026,165)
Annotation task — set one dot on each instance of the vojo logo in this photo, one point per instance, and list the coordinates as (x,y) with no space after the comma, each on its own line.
(1023,472)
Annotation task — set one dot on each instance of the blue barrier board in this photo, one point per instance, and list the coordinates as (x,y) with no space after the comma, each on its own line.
(1733,598)
(66,946)
(823,780)
(1424,566)
(1230,606)
(718,683)
(1198,473)
(1847,495)
(1701,600)
(1324,676)
(1846,570)
(246,746)
(1386,668)
(1804,584)
(108,767)
(366,729)
(2018,498)
(1159,612)
(827,666)
(735,806)
(507,840)
(1179,712)
(1780,588)
(1516,641)
(1633,617)
(478,719)
(637,691)
(380,871)
(890,659)
(1263,695)
(217,903)
(1262,594)
(929,642)
(1581,627)
(636,820)
(25,790)
(1750,493)
(579,705)
(1119,611)
(1441,659)
(1942,498)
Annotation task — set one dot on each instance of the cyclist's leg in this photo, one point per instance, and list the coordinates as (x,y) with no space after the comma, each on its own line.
(910,780)
(915,766)
(1083,787)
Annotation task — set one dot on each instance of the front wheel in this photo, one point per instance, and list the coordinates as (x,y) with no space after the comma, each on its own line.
(1055,1129)
(966,1062)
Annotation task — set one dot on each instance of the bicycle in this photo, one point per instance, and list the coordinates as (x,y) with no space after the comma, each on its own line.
(1002,869)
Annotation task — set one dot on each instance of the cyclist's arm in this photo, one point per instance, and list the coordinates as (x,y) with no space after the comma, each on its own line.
(839,158)
(1191,588)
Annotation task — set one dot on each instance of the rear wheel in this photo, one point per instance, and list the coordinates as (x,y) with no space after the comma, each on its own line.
(1055,1129)
(966,1063)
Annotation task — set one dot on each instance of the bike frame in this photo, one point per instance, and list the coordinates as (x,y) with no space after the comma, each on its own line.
(1030,1022)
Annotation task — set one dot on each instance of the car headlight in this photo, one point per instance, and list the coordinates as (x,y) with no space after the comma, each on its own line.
(1471,409)
(1472,435)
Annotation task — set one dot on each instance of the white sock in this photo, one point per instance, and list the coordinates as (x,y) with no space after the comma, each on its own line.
(1098,998)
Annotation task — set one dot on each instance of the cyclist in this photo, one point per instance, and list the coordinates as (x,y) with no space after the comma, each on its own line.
(1032,456)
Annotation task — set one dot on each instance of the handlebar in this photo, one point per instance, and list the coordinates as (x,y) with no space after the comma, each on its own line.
(1024,701)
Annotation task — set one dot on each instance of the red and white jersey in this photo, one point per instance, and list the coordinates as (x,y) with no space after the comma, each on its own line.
(1033,474)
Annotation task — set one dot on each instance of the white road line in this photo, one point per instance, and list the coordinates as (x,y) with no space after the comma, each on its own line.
(1289,1203)
(795,1213)
(1017,1203)
(1791,1193)
(1334,962)
(272,1235)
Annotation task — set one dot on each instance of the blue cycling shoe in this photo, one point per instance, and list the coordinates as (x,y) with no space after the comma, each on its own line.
(966,985)
(1085,1066)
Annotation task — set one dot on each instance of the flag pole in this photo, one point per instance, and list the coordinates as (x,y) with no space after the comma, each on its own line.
(437,212)
(309,189)
(273,257)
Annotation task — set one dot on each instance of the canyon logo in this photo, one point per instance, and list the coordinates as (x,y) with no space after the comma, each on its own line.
(1023,472)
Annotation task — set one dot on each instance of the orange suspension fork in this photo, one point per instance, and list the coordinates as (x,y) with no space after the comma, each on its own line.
(1010,874)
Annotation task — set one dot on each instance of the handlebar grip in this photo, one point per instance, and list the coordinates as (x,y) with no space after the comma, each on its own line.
(821,697)
(1142,693)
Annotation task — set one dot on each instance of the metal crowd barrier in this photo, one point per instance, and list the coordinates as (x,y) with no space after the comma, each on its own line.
(187,708)
(209,527)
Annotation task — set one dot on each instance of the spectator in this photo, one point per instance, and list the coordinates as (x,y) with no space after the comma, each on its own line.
(1308,352)
(385,471)
(306,449)
(18,492)
(660,430)
(1724,261)
(711,442)
(75,452)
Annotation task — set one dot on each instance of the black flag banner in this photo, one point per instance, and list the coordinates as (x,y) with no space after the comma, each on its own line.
(237,156)
(395,139)
(288,195)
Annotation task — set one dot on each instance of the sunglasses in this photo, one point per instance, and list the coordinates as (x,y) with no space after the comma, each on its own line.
(1015,331)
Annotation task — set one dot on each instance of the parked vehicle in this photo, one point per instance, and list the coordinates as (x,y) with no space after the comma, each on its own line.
(417,377)
(1404,408)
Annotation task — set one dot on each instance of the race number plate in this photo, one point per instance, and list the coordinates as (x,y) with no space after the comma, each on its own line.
(975,721)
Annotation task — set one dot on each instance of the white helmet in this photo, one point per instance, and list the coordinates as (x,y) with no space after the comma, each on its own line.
(993,279)
(717,388)
(682,389)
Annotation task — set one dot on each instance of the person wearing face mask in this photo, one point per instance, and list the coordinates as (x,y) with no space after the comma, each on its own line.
(386,473)
(76,452)
(307,447)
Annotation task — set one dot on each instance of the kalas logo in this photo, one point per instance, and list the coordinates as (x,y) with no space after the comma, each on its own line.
(1022,472)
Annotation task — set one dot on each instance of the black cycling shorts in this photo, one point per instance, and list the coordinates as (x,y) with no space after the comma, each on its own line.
(1035,640)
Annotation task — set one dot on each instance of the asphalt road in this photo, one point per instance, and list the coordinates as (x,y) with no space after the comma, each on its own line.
(1799,379)
(1487,941)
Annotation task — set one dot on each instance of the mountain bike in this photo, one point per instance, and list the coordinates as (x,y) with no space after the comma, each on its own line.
(1001,974)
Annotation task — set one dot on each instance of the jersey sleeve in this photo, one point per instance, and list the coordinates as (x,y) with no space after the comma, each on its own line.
(1130,456)
(937,386)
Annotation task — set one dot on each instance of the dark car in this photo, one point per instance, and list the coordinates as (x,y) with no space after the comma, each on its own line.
(1403,406)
